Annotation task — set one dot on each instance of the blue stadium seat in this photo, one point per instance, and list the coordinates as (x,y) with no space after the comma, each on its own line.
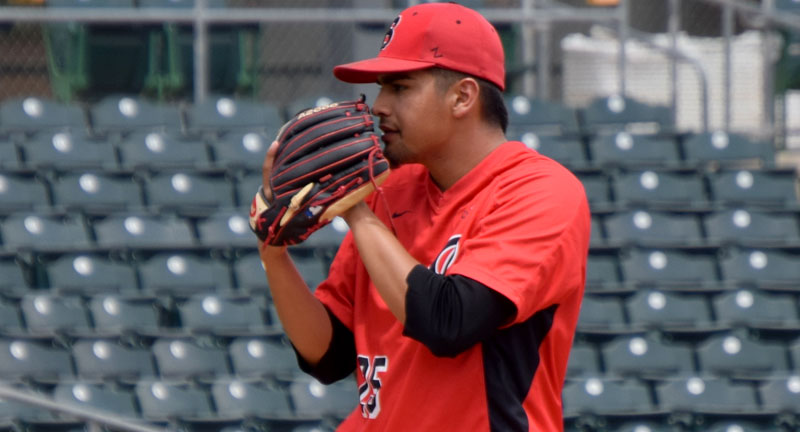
(727,150)
(41,232)
(262,358)
(653,228)
(108,359)
(731,354)
(165,401)
(180,274)
(751,227)
(209,313)
(39,360)
(667,311)
(603,397)
(670,267)
(161,150)
(696,395)
(21,192)
(245,150)
(646,356)
(90,273)
(121,114)
(226,227)
(767,189)
(184,358)
(30,115)
(234,398)
(757,310)
(114,314)
(310,398)
(541,117)
(765,268)
(142,231)
(660,190)
(64,150)
(95,192)
(617,113)
(636,151)
(97,396)
(50,314)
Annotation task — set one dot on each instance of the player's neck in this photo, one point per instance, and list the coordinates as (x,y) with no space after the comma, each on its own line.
(467,148)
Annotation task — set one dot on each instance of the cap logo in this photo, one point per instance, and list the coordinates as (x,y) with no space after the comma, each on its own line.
(387,38)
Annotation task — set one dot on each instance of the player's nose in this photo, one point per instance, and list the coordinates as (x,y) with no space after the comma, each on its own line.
(380,107)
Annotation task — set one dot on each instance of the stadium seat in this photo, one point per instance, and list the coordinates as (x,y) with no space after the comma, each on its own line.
(583,361)
(96,192)
(219,115)
(616,113)
(767,268)
(164,401)
(15,276)
(606,397)
(50,315)
(597,190)
(757,310)
(46,233)
(602,271)
(12,413)
(209,313)
(114,314)
(10,320)
(249,272)
(567,151)
(541,117)
(697,395)
(183,274)
(310,398)
(327,239)
(245,150)
(653,228)
(625,150)
(660,190)
(64,150)
(28,115)
(90,273)
(9,155)
(727,150)
(160,150)
(748,227)
(33,359)
(142,231)
(97,396)
(678,267)
(21,192)
(107,359)
(753,424)
(646,356)
(768,189)
(730,354)
(184,358)
(122,114)
(188,192)
(601,315)
(262,358)
(249,398)
(780,393)
(668,311)
(228,227)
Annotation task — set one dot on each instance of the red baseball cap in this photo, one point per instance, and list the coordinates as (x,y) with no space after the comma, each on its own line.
(446,35)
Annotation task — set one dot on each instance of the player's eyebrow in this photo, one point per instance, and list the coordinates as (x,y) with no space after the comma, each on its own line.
(390,78)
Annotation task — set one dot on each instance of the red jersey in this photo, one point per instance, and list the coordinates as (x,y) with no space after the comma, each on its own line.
(518,223)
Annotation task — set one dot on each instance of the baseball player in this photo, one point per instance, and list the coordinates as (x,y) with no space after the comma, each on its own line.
(455,295)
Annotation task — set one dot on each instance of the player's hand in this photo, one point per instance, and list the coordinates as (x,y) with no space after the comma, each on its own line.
(266,168)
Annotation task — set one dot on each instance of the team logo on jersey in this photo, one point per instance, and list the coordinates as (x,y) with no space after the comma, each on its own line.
(390,33)
(447,256)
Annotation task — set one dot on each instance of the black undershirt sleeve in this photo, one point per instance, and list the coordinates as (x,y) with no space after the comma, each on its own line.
(450,314)
(339,360)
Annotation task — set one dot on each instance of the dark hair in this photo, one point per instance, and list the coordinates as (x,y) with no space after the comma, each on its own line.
(493,106)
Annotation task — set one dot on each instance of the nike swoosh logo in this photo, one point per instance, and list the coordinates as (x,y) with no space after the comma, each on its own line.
(398,214)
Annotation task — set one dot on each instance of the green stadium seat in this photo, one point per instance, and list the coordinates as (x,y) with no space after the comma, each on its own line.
(752,227)
(98,397)
(646,357)
(182,274)
(226,228)
(47,314)
(767,189)
(311,398)
(10,318)
(245,150)
(660,190)
(540,117)
(31,115)
(96,192)
(219,115)
(668,311)
(9,155)
(116,315)
(767,268)
(669,267)
(34,359)
(606,397)
(696,395)
(757,310)
(118,115)
(653,228)
(184,358)
(158,150)
(731,354)
(221,315)
(21,191)
(164,401)
(623,149)
(188,192)
(249,272)
(45,233)
(239,398)
(261,357)
(567,151)
(780,393)
(142,231)
(63,150)
(727,150)
(88,274)
(616,113)
(583,361)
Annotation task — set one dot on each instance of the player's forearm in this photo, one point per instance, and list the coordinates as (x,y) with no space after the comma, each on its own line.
(303,316)
(386,260)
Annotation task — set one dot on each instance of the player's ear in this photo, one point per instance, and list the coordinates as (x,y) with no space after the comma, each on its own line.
(465,94)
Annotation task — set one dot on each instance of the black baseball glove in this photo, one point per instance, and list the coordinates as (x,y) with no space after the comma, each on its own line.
(328,159)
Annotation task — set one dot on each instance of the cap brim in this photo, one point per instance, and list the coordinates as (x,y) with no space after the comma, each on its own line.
(367,71)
